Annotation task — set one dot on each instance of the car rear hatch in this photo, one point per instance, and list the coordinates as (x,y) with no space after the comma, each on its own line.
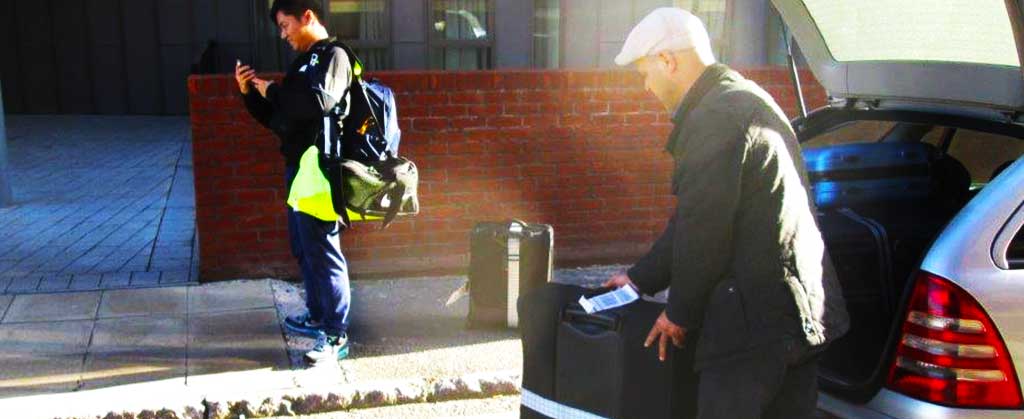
(894,52)
(961,55)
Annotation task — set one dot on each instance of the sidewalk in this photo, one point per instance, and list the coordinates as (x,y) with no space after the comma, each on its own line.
(220,348)
(100,202)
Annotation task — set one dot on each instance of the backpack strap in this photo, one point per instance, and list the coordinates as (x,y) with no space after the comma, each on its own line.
(357,80)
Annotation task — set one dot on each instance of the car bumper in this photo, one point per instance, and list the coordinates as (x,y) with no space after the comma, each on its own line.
(891,405)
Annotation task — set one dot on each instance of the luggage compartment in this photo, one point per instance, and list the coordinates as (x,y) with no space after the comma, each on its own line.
(880,206)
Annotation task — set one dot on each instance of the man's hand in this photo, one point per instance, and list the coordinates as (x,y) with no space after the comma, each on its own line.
(243,75)
(619,280)
(261,85)
(663,331)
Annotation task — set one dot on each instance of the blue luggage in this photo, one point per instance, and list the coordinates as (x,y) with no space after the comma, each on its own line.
(852,175)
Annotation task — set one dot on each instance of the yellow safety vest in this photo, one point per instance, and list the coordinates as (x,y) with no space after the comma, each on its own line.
(311,192)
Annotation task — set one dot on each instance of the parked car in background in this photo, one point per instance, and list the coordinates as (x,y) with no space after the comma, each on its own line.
(915,168)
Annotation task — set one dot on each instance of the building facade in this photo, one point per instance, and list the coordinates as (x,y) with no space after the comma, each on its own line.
(133,56)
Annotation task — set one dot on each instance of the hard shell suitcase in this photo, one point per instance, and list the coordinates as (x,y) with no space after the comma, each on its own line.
(860,249)
(540,312)
(851,175)
(579,365)
(506,259)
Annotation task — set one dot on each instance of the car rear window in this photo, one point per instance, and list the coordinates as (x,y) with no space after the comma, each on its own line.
(968,31)
(984,155)
(1015,253)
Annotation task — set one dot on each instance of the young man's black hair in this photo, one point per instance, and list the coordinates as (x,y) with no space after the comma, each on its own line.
(295,8)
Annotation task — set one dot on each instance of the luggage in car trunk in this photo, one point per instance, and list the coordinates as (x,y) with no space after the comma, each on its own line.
(881,205)
(577,364)
(861,253)
(852,175)
(505,260)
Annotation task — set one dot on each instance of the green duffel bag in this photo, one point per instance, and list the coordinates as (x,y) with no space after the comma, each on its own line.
(380,190)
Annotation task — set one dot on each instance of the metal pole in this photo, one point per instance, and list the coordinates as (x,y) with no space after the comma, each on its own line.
(5,187)
(795,74)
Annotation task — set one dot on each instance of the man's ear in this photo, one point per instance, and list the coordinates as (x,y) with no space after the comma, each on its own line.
(308,17)
(667,62)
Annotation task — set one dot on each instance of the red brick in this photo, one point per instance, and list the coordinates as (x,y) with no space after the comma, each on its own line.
(475,81)
(468,122)
(487,109)
(466,98)
(256,195)
(520,80)
(448,111)
(505,121)
(521,109)
(591,107)
(430,124)
(427,99)
(413,111)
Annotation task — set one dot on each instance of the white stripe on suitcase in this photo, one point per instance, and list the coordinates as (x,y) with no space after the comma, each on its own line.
(515,231)
(553,409)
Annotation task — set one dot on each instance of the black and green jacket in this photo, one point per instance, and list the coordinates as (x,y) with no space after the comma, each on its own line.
(743,254)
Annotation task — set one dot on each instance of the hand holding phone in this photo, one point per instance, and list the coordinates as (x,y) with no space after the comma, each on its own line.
(243,75)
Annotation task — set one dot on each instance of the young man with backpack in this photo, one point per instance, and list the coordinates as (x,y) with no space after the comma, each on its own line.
(303,110)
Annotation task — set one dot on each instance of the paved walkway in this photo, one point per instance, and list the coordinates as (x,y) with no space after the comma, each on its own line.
(100,203)
(215,347)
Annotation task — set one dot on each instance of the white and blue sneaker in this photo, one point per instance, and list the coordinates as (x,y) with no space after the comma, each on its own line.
(328,347)
(303,325)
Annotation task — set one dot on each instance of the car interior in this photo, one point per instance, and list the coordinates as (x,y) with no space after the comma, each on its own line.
(884,191)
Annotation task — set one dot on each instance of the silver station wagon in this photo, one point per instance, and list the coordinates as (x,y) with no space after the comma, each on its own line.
(914,168)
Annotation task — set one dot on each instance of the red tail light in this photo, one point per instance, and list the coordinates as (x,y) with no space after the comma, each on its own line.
(950,352)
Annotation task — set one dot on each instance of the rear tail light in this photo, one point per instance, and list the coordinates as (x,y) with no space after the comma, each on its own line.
(950,352)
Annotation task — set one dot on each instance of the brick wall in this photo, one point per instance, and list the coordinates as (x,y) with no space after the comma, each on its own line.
(581,150)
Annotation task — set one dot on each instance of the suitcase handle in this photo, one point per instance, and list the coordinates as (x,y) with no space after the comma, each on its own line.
(597,323)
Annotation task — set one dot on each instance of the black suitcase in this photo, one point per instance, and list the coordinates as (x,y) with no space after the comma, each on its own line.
(506,260)
(860,250)
(540,312)
(594,365)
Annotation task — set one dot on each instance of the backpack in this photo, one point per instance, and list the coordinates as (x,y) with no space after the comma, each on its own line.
(368,179)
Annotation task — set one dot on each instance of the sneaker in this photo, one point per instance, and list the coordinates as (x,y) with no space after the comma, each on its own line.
(328,347)
(303,325)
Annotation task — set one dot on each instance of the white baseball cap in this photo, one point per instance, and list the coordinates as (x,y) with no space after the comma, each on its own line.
(665,29)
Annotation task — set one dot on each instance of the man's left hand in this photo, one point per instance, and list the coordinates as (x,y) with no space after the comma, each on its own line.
(262,85)
(663,331)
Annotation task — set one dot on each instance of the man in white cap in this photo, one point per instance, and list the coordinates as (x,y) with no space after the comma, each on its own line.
(752,285)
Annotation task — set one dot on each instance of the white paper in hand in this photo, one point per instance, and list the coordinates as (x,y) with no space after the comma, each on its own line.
(610,299)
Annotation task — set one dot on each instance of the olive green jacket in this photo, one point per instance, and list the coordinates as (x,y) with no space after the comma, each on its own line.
(743,254)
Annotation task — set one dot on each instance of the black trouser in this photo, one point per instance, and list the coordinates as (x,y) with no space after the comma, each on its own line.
(777,381)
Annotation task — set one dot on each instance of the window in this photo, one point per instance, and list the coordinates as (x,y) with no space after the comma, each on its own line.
(984,155)
(546,19)
(362,25)
(851,132)
(1015,252)
(936,30)
(716,16)
(461,34)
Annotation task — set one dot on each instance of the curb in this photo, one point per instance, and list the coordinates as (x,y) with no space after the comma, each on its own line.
(267,403)
(362,396)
